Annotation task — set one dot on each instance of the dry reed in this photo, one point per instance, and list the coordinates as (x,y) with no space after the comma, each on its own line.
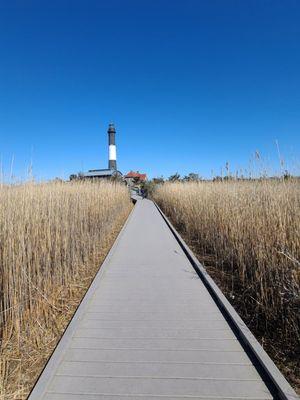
(251,230)
(52,239)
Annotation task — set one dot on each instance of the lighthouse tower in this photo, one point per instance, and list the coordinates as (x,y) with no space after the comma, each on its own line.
(112,152)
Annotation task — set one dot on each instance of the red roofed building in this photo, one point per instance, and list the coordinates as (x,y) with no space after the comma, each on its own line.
(134,178)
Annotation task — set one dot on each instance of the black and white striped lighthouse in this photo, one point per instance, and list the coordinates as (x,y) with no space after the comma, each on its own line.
(112,152)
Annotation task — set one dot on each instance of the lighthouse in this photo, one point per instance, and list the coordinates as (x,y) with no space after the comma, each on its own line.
(111,172)
(112,152)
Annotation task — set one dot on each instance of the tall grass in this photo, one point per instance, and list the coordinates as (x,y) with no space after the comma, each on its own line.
(52,239)
(251,230)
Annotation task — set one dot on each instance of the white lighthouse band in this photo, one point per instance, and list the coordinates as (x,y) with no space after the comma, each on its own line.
(112,152)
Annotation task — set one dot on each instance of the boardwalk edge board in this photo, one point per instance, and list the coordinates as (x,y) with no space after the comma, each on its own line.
(43,380)
(273,378)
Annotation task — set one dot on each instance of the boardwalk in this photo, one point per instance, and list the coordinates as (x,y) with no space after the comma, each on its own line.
(148,329)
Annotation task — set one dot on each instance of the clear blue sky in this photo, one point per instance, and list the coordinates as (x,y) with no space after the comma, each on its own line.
(189,84)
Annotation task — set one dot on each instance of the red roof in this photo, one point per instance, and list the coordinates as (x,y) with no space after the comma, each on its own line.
(133,174)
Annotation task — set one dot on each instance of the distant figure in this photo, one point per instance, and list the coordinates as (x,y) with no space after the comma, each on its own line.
(142,191)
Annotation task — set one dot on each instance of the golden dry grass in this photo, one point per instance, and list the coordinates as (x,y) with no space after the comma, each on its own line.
(53,238)
(251,231)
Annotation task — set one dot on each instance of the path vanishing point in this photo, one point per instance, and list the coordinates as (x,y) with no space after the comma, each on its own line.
(152,328)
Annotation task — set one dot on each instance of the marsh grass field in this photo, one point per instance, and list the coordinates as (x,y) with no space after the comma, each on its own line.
(53,238)
(247,234)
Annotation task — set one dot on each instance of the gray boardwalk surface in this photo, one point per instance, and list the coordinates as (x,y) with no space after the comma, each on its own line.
(148,330)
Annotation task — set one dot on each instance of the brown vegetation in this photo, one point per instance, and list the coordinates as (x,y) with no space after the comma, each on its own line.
(53,238)
(248,232)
